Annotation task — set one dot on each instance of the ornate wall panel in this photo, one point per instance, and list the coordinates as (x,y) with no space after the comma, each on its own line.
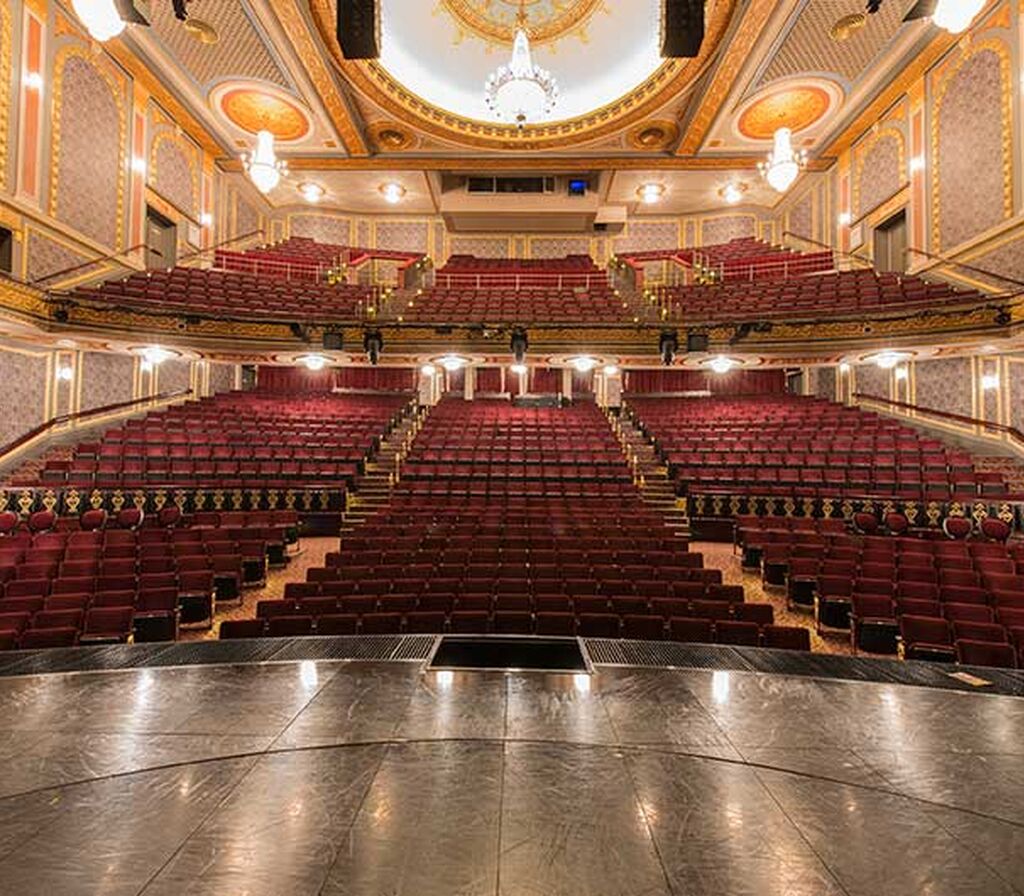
(1006,259)
(406,236)
(23,398)
(880,172)
(640,236)
(972,182)
(88,140)
(729,227)
(872,380)
(945,384)
(106,379)
(323,228)
(247,218)
(558,246)
(174,172)
(45,256)
(825,387)
(481,246)
(801,217)
(1015,386)
(222,378)
(174,375)
(438,243)
(362,234)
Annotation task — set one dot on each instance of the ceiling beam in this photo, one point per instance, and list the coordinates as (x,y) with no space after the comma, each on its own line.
(547,164)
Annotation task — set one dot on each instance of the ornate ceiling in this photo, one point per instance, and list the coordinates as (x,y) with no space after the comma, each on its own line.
(624,112)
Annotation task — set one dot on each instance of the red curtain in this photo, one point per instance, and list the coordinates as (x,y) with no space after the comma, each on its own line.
(299,379)
(294,379)
(582,382)
(736,382)
(545,380)
(456,379)
(488,379)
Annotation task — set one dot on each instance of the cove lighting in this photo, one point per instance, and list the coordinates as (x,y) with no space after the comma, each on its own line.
(888,360)
(155,355)
(722,364)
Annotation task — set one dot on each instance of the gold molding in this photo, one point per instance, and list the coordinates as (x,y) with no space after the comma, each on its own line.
(194,157)
(860,154)
(344,119)
(6,41)
(120,100)
(665,84)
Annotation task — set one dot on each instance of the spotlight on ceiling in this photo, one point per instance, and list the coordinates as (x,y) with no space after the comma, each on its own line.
(519,343)
(311,192)
(583,364)
(373,345)
(650,193)
(722,364)
(314,362)
(668,345)
(392,192)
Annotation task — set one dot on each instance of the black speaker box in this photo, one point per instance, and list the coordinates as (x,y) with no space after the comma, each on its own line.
(682,29)
(696,342)
(333,342)
(359,29)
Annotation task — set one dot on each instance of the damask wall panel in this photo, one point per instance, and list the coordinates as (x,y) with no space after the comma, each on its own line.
(402,236)
(730,227)
(323,228)
(362,235)
(45,256)
(23,397)
(969,151)
(825,386)
(222,378)
(88,148)
(437,249)
(174,375)
(641,236)
(872,380)
(481,246)
(945,384)
(801,217)
(106,379)
(558,246)
(1015,385)
(247,218)
(1007,259)
(175,175)
(880,174)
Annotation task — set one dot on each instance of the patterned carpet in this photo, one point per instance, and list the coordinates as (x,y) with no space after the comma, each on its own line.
(716,556)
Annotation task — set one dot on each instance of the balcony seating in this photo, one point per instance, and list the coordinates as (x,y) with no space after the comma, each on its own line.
(301,258)
(233,294)
(231,441)
(803,447)
(837,293)
(440,304)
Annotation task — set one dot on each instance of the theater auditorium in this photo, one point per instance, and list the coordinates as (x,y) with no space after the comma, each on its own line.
(511,447)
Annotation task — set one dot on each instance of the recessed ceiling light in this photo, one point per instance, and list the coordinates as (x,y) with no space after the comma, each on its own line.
(311,192)
(392,192)
(650,193)
(732,192)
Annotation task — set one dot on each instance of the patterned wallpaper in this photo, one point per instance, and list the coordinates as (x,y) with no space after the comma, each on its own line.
(88,153)
(173,174)
(641,236)
(944,384)
(559,246)
(872,380)
(222,378)
(22,398)
(969,151)
(1007,259)
(247,218)
(174,375)
(106,379)
(481,246)
(825,385)
(47,256)
(363,234)
(438,248)
(730,227)
(880,174)
(801,220)
(324,228)
(406,236)
(1015,385)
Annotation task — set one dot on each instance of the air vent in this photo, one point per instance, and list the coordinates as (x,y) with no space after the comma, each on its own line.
(510,185)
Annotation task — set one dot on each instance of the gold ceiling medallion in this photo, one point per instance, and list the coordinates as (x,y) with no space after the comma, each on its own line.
(844,28)
(253,109)
(201,31)
(654,135)
(495,20)
(390,136)
(796,108)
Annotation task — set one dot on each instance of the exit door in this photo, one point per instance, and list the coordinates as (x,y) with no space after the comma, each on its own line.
(161,240)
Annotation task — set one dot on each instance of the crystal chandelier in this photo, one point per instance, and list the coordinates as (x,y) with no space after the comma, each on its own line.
(263,166)
(100,17)
(956,15)
(520,91)
(783,164)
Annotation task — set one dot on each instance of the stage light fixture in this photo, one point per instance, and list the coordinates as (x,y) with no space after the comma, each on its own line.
(373,345)
(668,345)
(519,343)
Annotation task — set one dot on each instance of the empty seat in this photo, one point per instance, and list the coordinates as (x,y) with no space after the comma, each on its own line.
(241,628)
(786,637)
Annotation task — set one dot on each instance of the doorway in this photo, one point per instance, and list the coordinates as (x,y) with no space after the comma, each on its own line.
(891,244)
(161,240)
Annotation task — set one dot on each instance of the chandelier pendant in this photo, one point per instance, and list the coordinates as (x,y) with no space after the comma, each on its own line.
(263,166)
(784,164)
(520,92)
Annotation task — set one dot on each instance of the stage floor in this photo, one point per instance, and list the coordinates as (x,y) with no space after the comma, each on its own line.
(380,779)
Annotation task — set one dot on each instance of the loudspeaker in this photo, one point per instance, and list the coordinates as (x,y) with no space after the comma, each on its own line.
(333,342)
(359,29)
(682,28)
(697,342)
